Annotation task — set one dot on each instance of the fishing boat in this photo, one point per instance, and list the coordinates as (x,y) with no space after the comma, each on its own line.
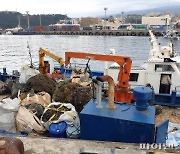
(162,60)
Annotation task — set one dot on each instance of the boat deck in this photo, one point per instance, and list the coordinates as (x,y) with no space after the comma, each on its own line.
(164,112)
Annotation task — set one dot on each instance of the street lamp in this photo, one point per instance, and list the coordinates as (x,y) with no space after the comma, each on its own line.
(105,9)
(122,16)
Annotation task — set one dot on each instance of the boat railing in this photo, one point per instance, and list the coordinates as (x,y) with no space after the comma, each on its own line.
(137,85)
(77,65)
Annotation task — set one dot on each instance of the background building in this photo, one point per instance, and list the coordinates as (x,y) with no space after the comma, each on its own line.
(86,22)
(133,19)
(157,21)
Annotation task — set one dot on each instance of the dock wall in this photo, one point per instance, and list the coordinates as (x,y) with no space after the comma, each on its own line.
(96,32)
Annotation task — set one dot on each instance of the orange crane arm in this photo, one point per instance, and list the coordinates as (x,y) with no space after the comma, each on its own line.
(124,62)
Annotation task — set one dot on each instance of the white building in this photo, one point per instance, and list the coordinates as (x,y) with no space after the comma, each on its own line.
(153,21)
(110,25)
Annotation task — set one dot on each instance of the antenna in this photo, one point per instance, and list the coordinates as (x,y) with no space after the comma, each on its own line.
(31,64)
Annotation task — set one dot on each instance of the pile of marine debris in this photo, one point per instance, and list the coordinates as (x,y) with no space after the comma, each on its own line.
(33,102)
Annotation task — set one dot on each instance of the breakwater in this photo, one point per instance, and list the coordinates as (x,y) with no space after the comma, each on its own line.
(96,32)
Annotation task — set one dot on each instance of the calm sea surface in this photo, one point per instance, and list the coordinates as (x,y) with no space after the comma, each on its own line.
(14,52)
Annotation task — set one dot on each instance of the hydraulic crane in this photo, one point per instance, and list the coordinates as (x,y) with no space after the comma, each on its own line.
(43,67)
(122,91)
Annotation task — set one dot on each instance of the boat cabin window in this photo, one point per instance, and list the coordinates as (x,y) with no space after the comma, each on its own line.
(134,76)
(163,68)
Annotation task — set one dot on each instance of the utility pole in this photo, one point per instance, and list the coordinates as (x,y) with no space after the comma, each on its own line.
(28,19)
(65,18)
(40,20)
(105,9)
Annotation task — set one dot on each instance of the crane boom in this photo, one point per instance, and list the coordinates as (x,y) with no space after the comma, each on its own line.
(122,88)
(123,61)
(42,66)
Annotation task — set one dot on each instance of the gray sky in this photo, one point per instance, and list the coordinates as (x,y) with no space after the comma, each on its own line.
(80,8)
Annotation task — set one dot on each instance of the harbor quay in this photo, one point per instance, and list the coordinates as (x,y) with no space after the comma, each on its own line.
(96,32)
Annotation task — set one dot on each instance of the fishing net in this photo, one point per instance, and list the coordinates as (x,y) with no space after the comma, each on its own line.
(40,83)
(73,93)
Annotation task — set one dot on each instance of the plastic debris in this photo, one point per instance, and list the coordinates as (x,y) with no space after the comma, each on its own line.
(26,73)
(8,110)
(173,135)
(57,112)
(42,98)
(28,121)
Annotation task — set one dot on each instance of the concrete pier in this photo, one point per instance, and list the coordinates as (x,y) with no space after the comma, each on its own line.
(39,145)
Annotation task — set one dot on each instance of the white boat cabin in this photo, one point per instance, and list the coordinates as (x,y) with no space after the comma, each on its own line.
(162,60)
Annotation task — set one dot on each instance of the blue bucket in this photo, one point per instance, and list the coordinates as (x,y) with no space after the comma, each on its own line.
(58,130)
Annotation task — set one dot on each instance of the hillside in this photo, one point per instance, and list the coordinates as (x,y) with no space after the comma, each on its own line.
(10,19)
(175,9)
(172,8)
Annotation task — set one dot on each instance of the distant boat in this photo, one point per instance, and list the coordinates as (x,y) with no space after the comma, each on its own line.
(8,33)
(171,34)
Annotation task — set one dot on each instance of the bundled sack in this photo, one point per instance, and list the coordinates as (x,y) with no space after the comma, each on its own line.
(42,98)
(16,87)
(57,112)
(3,88)
(8,110)
(35,108)
(73,130)
(27,121)
(26,73)
(81,78)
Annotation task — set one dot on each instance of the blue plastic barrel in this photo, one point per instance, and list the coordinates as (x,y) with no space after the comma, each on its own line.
(58,130)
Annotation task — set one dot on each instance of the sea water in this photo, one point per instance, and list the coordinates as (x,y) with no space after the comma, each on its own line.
(14,52)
